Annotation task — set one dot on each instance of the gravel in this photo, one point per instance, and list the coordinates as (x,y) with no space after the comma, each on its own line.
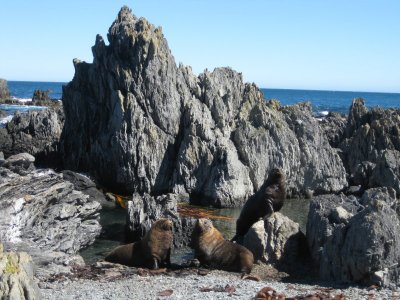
(214,285)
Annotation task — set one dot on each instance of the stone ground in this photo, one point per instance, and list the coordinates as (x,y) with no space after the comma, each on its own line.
(117,282)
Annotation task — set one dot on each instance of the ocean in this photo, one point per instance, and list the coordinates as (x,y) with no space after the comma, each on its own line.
(336,101)
(322,101)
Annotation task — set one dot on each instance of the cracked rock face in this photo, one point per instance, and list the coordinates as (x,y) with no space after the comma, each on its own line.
(356,240)
(372,146)
(16,276)
(147,125)
(40,208)
(144,210)
(37,133)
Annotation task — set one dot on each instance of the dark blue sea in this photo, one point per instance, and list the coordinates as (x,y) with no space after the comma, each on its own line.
(25,89)
(322,101)
(337,101)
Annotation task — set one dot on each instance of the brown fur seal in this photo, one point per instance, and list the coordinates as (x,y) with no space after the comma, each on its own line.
(152,251)
(212,250)
(268,199)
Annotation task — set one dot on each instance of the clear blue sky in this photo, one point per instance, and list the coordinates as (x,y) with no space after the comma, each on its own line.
(326,44)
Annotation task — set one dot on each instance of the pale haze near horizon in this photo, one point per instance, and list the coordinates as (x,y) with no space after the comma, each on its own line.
(320,45)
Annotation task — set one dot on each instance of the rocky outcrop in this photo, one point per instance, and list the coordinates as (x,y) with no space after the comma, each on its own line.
(356,240)
(144,210)
(4,92)
(39,95)
(334,126)
(37,133)
(40,210)
(16,276)
(87,186)
(276,240)
(372,146)
(147,125)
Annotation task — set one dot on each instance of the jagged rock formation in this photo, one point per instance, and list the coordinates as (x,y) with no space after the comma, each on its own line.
(356,240)
(147,125)
(277,240)
(372,146)
(39,95)
(4,92)
(334,126)
(37,133)
(16,276)
(42,214)
(144,210)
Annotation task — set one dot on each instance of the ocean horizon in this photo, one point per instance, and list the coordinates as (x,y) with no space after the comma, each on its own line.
(321,100)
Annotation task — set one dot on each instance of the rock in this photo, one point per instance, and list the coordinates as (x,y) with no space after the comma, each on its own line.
(356,240)
(21,163)
(37,133)
(2,160)
(16,276)
(276,239)
(144,210)
(159,128)
(39,95)
(334,125)
(85,185)
(4,92)
(3,114)
(42,209)
(372,146)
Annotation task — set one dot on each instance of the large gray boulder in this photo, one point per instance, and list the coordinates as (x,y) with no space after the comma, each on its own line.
(372,146)
(356,240)
(37,133)
(147,125)
(276,240)
(16,276)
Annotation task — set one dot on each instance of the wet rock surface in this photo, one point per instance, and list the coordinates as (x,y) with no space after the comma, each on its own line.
(356,239)
(150,126)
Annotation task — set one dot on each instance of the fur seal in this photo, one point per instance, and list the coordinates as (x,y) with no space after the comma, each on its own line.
(153,251)
(212,250)
(268,199)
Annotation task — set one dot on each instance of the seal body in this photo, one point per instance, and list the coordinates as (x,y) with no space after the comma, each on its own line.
(212,250)
(153,251)
(268,199)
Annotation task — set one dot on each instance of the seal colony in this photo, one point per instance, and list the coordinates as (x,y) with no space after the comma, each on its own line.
(153,251)
(211,248)
(267,200)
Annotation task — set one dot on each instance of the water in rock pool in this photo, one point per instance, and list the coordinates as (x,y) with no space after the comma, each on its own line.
(113,223)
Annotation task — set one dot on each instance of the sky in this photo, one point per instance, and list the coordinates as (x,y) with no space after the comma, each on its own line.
(309,44)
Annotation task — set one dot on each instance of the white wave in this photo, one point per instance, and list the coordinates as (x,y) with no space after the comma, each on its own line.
(22,100)
(323,113)
(4,121)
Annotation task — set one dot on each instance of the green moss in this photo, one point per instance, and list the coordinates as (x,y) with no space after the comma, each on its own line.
(11,266)
(274,104)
